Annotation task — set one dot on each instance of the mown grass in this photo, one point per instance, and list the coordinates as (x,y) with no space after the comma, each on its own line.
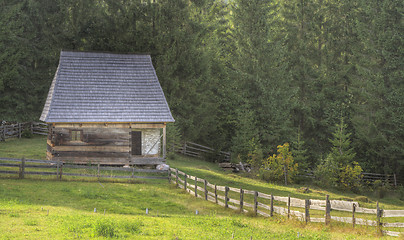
(44,208)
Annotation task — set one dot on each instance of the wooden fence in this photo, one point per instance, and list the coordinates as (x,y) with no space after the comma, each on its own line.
(200,151)
(16,130)
(264,204)
(22,167)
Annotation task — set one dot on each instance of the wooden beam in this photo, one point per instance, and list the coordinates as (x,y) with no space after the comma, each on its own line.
(164,141)
(92,148)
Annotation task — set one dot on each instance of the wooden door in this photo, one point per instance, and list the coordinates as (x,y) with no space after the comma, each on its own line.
(136,143)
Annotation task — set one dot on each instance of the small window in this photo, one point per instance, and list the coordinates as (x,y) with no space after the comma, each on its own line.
(76,135)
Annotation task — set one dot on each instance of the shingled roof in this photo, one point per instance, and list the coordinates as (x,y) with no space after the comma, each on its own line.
(105,87)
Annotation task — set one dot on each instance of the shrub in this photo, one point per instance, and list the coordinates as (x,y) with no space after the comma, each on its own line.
(350,176)
(279,167)
(27,133)
(105,228)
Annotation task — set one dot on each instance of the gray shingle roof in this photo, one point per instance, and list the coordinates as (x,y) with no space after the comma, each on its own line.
(105,87)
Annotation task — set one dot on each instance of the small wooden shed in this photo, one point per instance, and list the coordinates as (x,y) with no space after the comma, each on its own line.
(106,108)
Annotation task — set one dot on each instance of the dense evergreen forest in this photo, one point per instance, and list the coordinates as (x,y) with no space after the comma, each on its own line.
(239,75)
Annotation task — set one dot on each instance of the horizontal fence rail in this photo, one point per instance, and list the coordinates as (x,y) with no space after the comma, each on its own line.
(22,167)
(197,150)
(313,210)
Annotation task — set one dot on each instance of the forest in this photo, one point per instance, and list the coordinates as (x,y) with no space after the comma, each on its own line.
(244,76)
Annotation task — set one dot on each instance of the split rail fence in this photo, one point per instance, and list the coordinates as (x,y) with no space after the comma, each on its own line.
(23,167)
(197,150)
(16,130)
(314,210)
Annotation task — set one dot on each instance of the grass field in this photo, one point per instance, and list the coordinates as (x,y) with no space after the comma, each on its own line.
(39,208)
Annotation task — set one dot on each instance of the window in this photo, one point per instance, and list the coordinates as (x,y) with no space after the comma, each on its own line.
(136,143)
(76,135)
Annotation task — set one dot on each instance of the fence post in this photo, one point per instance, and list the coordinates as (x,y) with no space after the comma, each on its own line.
(176,176)
(271,210)
(288,206)
(98,171)
(184,149)
(185,182)
(241,199)
(169,175)
(4,132)
(32,128)
(196,186)
(307,210)
(61,171)
(226,199)
(395,180)
(327,210)
(255,203)
(215,194)
(19,130)
(57,170)
(22,168)
(206,189)
(353,214)
(379,213)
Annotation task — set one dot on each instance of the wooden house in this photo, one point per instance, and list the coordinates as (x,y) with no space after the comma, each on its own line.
(106,108)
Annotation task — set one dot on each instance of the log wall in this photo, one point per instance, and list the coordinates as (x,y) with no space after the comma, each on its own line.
(103,143)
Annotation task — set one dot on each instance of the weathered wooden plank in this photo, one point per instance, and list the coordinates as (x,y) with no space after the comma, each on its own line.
(263,205)
(393,213)
(398,225)
(147,161)
(246,204)
(263,213)
(237,190)
(237,202)
(281,199)
(82,154)
(9,172)
(316,202)
(220,188)
(211,185)
(295,202)
(281,210)
(322,220)
(339,205)
(249,192)
(232,207)
(92,148)
(263,195)
(27,166)
(93,160)
(392,234)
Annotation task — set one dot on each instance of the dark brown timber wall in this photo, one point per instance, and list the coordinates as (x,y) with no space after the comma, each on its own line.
(95,144)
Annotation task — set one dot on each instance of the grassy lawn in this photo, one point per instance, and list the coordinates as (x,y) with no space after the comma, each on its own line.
(43,208)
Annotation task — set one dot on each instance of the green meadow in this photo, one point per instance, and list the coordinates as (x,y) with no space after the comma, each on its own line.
(44,208)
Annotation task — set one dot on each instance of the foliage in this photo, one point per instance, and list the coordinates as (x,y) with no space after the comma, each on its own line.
(339,169)
(279,167)
(350,176)
(233,71)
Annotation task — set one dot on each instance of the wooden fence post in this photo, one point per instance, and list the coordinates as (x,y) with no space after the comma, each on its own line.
(226,199)
(307,210)
(19,130)
(169,175)
(395,180)
(353,214)
(215,194)
(288,206)
(4,132)
(255,203)
(196,186)
(271,209)
(57,170)
(176,176)
(22,168)
(379,213)
(241,199)
(327,210)
(206,189)
(184,148)
(185,182)
(61,171)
